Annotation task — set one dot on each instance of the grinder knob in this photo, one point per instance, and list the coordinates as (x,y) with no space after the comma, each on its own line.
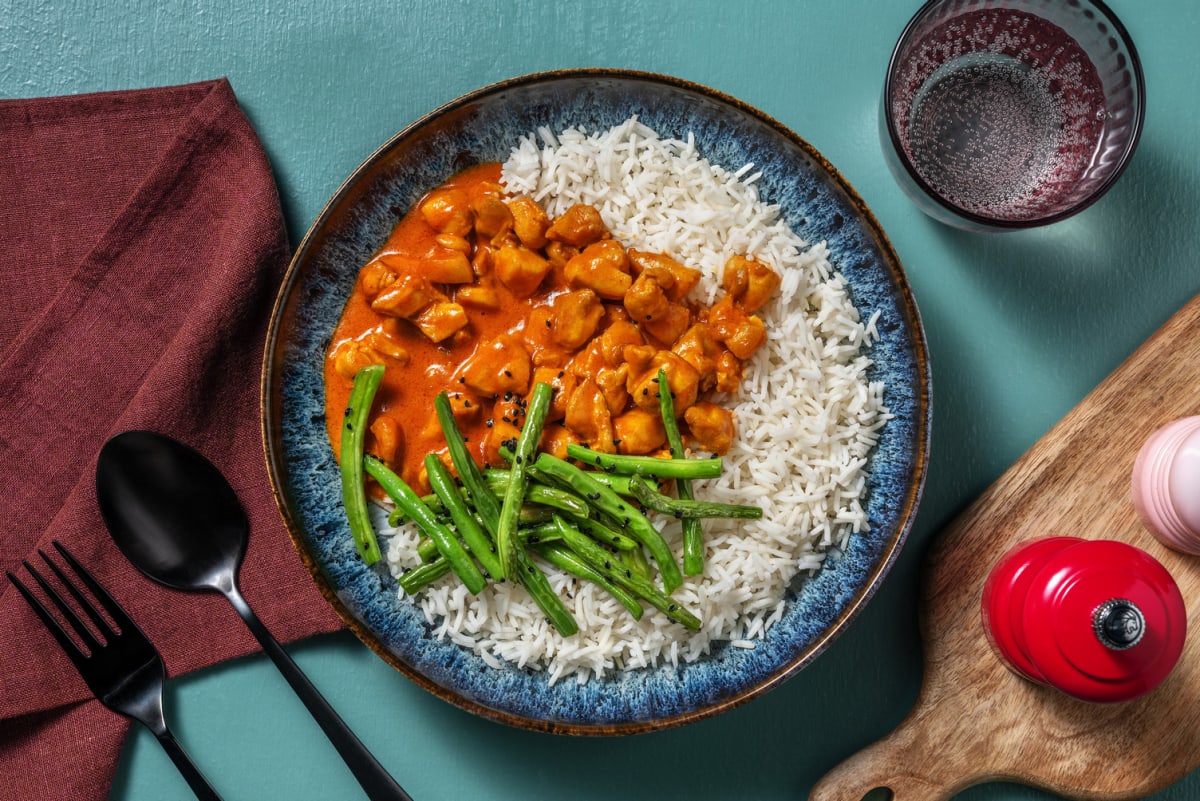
(1100,620)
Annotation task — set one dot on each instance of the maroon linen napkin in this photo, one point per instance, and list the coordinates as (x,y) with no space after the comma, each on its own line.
(141,245)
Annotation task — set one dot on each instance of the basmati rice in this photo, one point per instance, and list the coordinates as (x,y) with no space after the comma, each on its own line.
(807,415)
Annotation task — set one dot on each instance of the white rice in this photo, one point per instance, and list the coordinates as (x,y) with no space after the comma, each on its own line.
(807,417)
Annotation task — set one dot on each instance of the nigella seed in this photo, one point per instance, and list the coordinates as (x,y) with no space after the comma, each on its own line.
(508,373)
(645,391)
(607,565)
(462,380)
(349,426)
(671,607)
(530,569)
(548,324)
(490,423)
(466,404)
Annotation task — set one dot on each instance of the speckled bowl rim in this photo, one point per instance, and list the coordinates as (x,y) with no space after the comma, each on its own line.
(643,700)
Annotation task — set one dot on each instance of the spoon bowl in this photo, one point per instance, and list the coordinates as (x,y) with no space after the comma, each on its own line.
(171,512)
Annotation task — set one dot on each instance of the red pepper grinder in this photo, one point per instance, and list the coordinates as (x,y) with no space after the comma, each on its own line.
(1100,620)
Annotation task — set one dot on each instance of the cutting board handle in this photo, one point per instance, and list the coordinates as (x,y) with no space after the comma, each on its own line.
(911,770)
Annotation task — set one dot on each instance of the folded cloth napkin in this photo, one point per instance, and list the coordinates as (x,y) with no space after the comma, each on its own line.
(141,246)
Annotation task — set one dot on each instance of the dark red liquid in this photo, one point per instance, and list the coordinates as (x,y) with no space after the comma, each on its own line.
(1001,113)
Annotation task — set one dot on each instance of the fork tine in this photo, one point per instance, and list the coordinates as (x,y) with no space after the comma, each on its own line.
(114,609)
(89,639)
(48,619)
(102,625)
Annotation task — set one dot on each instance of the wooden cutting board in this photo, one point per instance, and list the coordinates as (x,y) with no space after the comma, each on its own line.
(974,720)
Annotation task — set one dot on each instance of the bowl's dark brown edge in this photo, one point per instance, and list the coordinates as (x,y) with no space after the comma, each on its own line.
(276,469)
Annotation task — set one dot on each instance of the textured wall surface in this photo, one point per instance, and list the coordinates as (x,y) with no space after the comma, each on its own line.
(1020,326)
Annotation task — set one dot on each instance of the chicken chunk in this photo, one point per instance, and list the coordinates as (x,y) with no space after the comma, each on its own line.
(406,296)
(441,265)
(375,276)
(351,356)
(385,343)
(574,317)
(670,326)
(682,279)
(501,431)
(556,438)
(478,296)
(607,349)
(520,269)
(387,439)
(639,431)
(564,384)
(612,382)
(642,384)
(439,321)
(448,211)
(711,426)
(698,348)
(742,333)
(602,267)
(497,366)
(580,225)
(492,216)
(645,299)
(749,282)
(589,417)
(529,222)
(729,372)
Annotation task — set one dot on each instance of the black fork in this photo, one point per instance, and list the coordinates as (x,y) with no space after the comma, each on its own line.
(117,662)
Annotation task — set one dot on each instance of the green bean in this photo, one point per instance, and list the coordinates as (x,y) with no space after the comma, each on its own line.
(447,544)
(535,581)
(529,535)
(646,466)
(567,560)
(690,509)
(354,432)
(636,561)
(420,577)
(498,478)
(602,561)
(603,534)
(507,543)
(539,493)
(693,533)
(485,503)
(634,523)
(471,532)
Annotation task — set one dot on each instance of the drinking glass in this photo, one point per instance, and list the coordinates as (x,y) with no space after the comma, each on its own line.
(1008,114)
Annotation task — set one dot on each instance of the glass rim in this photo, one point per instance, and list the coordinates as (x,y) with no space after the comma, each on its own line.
(1138,108)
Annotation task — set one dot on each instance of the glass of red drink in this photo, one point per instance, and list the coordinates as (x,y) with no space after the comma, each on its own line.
(1008,114)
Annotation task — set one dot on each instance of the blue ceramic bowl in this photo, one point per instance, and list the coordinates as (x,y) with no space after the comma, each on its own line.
(816,202)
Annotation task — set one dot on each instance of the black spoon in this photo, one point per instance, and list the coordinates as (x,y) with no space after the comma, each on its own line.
(176,518)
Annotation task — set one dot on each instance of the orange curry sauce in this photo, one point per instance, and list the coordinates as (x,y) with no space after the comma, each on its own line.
(448,304)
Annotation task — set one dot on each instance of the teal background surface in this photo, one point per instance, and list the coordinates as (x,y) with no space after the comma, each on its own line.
(1020,327)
